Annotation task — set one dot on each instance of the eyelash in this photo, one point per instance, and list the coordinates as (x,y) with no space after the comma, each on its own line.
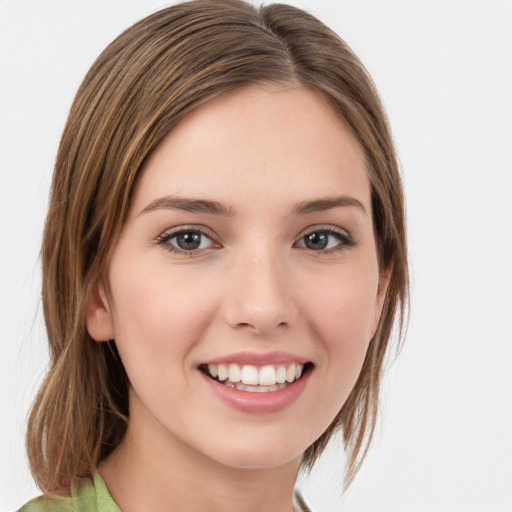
(343,238)
(165,238)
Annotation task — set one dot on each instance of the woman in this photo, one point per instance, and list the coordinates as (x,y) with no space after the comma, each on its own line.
(223,260)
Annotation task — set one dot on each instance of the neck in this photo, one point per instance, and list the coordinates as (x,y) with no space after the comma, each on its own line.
(146,474)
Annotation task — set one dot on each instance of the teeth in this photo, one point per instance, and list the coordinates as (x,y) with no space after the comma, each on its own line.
(267,376)
(290,373)
(250,374)
(222,372)
(255,389)
(281,375)
(234,374)
(256,379)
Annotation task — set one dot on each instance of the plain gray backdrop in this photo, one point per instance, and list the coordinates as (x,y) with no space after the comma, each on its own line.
(444,71)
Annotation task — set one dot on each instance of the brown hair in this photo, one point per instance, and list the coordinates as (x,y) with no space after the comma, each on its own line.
(138,89)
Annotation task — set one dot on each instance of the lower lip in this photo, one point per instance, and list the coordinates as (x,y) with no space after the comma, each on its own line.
(254,402)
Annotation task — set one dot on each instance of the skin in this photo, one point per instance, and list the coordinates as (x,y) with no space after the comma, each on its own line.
(253,285)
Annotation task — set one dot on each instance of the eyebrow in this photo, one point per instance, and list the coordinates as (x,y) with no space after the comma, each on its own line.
(215,208)
(326,203)
(188,205)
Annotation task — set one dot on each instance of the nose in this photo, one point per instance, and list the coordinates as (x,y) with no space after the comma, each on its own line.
(259,295)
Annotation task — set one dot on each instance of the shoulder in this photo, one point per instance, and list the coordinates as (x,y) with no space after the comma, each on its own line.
(87,495)
(48,503)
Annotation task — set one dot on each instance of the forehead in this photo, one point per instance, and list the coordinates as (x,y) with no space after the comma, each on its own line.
(267,144)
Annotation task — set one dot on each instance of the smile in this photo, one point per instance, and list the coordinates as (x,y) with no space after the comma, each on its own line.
(256,379)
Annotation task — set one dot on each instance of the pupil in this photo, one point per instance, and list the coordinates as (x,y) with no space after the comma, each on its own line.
(316,241)
(189,241)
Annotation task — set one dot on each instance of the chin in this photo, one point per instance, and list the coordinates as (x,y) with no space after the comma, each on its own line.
(271,451)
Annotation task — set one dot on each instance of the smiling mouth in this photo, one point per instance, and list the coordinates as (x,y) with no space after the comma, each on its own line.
(256,379)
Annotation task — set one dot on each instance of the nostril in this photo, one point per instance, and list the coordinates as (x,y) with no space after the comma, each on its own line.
(260,327)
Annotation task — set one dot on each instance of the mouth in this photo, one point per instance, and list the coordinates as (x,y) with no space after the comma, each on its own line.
(257,379)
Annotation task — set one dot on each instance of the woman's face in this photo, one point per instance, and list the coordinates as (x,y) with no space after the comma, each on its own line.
(248,257)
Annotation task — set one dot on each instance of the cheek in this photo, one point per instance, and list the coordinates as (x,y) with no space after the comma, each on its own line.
(158,315)
(343,318)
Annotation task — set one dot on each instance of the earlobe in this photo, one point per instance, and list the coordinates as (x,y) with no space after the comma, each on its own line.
(98,314)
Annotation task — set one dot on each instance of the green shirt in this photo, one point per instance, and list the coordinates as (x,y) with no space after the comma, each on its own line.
(87,495)
(91,495)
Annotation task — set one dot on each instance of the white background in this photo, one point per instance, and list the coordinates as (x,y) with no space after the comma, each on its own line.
(445,74)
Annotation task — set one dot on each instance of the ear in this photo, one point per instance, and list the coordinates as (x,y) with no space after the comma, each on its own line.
(384,278)
(98,314)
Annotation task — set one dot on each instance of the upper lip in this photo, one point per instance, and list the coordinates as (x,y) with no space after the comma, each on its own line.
(258,359)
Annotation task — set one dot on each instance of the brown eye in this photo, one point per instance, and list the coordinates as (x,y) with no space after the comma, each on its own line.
(326,240)
(317,241)
(186,240)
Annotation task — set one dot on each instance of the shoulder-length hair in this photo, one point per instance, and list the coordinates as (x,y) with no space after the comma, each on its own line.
(139,88)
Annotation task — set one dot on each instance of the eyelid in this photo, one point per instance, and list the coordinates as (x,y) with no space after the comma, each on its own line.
(324,227)
(189,227)
(344,236)
(164,237)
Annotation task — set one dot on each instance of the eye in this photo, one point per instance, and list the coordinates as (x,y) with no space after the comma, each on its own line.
(186,240)
(326,240)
